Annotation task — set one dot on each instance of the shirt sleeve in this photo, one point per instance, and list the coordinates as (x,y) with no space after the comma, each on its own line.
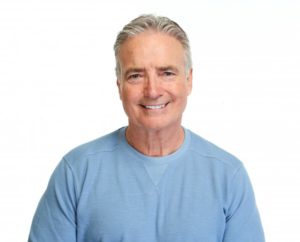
(55,217)
(242,217)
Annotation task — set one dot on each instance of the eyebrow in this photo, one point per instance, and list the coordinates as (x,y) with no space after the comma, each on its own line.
(134,70)
(162,68)
(167,68)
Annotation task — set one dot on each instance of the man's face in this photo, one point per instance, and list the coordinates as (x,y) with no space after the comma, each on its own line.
(153,82)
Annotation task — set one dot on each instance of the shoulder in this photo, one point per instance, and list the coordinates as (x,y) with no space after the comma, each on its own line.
(106,143)
(211,152)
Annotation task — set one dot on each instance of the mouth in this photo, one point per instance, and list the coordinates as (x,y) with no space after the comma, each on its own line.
(155,107)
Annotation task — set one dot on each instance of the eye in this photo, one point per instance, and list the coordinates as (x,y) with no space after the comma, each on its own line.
(169,73)
(134,76)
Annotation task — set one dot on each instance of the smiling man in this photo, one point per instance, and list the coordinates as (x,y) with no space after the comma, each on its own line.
(154,83)
(153,180)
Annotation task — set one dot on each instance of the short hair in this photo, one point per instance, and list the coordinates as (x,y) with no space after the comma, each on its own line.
(148,22)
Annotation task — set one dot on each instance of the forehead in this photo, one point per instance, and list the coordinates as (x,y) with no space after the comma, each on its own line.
(151,48)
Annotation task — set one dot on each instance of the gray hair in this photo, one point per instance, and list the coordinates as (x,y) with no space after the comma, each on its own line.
(147,22)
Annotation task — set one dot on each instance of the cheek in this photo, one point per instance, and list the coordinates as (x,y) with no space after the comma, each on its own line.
(180,92)
(181,99)
(129,97)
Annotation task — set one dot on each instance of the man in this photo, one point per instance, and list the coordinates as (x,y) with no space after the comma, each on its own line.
(152,180)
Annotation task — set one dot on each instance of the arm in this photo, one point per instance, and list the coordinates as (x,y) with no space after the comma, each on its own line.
(242,217)
(55,217)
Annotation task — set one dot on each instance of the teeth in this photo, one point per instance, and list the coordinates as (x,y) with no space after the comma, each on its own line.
(155,106)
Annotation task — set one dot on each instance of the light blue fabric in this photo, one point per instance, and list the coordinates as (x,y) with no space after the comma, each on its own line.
(106,191)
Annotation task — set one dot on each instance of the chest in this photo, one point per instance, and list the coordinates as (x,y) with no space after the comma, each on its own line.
(123,204)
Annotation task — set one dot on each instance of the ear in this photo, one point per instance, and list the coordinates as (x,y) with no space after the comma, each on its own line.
(189,79)
(119,87)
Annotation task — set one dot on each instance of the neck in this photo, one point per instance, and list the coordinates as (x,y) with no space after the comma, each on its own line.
(155,142)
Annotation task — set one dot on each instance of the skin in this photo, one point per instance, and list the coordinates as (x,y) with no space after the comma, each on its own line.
(153,87)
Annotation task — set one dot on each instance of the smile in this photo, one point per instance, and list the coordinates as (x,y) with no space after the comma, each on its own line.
(160,106)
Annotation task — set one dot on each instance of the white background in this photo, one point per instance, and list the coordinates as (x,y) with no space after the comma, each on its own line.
(57,90)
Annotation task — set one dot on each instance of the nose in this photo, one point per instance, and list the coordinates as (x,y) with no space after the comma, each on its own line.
(152,88)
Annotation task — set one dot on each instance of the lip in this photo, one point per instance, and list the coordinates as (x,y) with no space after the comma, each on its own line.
(154,106)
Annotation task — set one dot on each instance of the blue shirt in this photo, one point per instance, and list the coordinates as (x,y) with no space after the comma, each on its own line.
(106,191)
